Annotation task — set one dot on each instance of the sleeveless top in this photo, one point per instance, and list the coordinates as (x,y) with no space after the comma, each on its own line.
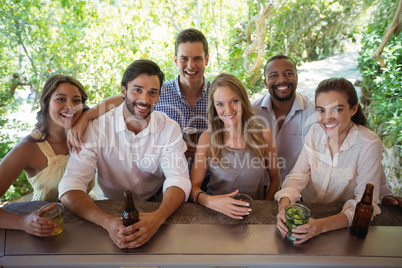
(239,169)
(46,182)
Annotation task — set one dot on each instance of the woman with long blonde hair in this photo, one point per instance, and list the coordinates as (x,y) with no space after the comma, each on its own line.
(238,152)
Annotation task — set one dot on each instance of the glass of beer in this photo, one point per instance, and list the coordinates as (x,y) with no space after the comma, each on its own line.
(55,213)
(244,198)
(296,215)
(190,135)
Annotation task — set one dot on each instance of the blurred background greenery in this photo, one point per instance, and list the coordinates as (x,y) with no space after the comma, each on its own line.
(94,41)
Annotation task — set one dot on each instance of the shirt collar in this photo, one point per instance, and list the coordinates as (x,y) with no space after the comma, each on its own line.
(204,86)
(298,103)
(121,124)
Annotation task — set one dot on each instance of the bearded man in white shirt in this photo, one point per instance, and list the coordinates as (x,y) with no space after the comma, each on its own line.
(132,147)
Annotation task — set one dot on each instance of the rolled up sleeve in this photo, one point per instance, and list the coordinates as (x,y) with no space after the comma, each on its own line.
(369,171)
(297,180)
(175,166)
(80,171)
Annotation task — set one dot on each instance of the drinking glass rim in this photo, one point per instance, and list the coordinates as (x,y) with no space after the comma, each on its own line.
(60,210)
(299,206)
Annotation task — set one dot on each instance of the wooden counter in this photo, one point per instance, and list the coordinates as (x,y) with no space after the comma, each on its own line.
(195,236)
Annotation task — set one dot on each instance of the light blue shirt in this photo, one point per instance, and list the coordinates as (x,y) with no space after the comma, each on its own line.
(289,138)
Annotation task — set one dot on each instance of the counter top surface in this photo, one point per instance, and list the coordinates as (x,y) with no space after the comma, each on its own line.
(264,212)
(198,232)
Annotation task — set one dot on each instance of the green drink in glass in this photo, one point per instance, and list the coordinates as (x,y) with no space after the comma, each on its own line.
(296,215)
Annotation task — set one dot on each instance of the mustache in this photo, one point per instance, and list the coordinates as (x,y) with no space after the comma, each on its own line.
(143,104)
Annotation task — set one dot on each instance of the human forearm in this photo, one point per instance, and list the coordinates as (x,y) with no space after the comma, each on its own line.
(273,188)
(318,226)
(173,197)
(31,223)
(225,204)
(334,222)
(103,107)
(83,206)
(9,220)
(283,202)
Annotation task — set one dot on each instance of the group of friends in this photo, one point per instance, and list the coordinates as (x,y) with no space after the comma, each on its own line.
(282,146)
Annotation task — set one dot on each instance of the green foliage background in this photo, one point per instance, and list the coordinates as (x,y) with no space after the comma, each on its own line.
(95,40)
(384,85)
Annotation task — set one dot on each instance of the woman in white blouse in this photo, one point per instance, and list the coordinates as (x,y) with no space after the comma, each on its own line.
(339,157)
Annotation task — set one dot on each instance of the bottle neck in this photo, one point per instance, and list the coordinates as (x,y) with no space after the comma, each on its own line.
(367,197)
(129,201)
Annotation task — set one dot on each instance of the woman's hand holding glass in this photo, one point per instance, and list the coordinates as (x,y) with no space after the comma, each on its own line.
(34,224)
(225,204)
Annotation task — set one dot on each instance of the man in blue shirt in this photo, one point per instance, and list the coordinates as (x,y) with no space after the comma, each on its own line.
(185,99)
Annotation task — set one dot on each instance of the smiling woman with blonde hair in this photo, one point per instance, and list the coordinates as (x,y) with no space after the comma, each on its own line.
(238,152)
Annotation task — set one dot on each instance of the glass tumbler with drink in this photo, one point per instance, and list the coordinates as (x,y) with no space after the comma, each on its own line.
(55,213)
(296,215)
(190,135)
(244,198)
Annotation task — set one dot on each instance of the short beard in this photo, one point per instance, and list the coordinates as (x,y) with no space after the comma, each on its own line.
(290,96)
(130,108)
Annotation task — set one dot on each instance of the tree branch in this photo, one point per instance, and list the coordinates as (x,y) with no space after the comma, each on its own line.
(397,20)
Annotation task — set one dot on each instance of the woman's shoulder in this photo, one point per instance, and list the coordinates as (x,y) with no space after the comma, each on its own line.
(27,144)
(24,150)
(367,133)
(204,138)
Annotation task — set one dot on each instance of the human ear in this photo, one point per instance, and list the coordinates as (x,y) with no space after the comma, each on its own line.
(354,109)
(123,91)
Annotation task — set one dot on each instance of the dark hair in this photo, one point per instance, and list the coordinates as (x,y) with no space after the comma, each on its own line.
(279,57)
(50,87)
(141,67)
(342,85)
(190,36)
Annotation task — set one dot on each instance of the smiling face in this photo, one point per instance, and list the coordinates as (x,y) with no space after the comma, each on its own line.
(191,61)
(65,106)
(334,114)
(281,79)
(141,96)
(227,106)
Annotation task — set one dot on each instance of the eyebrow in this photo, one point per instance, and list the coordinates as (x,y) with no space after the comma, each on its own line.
(285,71)
(198,56)
(340,105)
(152,89)
(230,99)
(65,95)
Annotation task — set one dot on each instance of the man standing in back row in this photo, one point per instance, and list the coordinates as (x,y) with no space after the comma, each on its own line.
(185,99)
(286,112)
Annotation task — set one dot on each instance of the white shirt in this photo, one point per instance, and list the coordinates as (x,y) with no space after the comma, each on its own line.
(142,162)
(318,177)
(289,138)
